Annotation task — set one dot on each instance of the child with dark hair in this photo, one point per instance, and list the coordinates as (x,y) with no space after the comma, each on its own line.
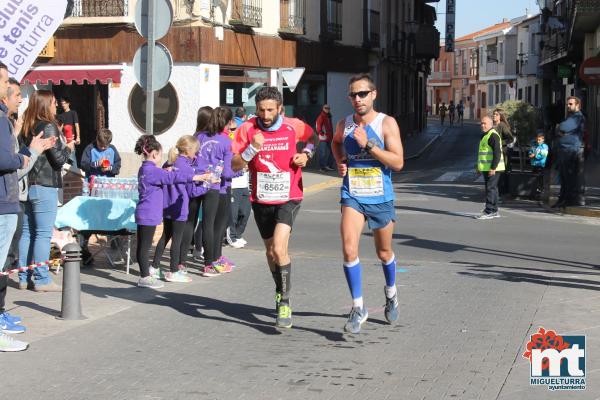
(149,211)
(215,149)
(101,158)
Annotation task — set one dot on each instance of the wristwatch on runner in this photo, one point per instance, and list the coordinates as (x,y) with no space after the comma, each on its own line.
(369,146)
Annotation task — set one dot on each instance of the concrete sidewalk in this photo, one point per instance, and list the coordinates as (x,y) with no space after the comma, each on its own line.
(416,144)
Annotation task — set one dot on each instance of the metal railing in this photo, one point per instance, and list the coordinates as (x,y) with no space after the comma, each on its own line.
(555,46)
(491,68)
(247,13)
(100,8)
(292,16)
(440,75)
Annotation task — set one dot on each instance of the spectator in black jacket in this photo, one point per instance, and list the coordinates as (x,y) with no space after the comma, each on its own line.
(45,179)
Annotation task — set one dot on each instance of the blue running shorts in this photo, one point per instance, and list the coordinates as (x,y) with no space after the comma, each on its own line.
(377,215)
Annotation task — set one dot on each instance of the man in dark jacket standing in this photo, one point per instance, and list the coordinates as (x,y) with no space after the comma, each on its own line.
(570,156)
(10,162)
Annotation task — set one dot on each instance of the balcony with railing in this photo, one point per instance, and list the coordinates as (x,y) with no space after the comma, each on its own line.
(440,75)
(100,8)
(101,12)
(246,13)
(292,17)
(491,68)
(553,47)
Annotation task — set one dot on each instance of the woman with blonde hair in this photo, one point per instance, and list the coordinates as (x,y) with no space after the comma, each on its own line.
(44,181)
(177,226)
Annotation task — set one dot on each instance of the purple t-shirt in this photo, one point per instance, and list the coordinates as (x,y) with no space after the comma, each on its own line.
(177,196)
(151,181)
(213,149)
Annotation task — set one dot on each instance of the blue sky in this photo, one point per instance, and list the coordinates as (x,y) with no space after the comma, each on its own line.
(474,15)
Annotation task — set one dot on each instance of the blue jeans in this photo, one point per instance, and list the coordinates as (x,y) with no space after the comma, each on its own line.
(38,222)
(325,156)
(8,224)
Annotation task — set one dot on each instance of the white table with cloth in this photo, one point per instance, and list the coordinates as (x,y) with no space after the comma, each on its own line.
(100,216)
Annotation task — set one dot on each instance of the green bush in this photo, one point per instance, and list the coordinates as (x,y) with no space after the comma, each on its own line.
(524,119)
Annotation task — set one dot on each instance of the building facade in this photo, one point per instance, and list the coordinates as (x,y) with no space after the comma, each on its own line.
(439,84)
(224,51)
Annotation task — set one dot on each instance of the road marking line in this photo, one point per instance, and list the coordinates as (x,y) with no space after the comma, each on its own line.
(317,187)
(449,177)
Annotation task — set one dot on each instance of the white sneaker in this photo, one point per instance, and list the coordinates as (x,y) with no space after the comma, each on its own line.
(7,343)
(150,282)
(237,244)
(242,241)
(488,216)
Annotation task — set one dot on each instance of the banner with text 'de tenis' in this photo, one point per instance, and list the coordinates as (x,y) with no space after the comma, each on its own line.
(25,28)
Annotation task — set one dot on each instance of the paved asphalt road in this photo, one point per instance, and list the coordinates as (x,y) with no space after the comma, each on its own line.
(470,294)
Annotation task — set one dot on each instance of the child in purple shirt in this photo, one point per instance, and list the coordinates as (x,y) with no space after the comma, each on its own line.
(215,148)
(178,223)
(149,211)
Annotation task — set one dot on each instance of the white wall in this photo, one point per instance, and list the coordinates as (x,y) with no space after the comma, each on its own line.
(196,86)
(337,95)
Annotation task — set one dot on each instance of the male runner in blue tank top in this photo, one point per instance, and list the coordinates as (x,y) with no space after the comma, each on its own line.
(367,147)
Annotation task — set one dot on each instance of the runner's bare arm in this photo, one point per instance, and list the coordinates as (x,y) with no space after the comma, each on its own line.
(337,147)
(393,154)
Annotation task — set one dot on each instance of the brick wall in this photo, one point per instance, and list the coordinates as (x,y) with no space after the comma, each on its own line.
(72,182)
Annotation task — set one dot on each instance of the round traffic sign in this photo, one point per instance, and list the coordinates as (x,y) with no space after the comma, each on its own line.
(162,65)
(162,16)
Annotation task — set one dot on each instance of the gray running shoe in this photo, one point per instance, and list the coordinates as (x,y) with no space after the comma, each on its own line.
(355,319)
(485,215)
(284,316)
(391,308)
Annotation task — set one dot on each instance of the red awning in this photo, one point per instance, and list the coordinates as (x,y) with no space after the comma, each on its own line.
(73,74)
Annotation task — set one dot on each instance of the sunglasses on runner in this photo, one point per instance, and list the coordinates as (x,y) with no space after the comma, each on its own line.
(362,94)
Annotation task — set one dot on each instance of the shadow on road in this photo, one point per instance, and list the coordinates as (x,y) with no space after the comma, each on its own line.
(448,247)
(509,274)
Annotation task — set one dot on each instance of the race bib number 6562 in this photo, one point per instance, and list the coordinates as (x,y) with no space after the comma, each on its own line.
(273,186)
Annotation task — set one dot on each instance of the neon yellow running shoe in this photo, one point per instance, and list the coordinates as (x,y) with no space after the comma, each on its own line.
(284,316)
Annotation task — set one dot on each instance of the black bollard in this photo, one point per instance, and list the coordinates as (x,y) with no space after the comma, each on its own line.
(71,289)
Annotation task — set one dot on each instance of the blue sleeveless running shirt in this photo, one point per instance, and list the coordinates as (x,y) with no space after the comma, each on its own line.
(368,181)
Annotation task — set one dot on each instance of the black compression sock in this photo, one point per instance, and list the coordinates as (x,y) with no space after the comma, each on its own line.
(277,278)
(286,281)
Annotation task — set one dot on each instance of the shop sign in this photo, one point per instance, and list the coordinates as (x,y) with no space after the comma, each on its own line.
(564,71)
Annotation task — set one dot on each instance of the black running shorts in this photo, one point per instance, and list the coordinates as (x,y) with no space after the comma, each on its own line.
(269,215)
